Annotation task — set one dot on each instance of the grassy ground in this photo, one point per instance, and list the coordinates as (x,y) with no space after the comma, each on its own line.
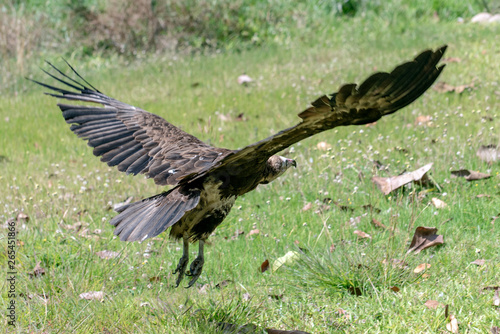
(49,174)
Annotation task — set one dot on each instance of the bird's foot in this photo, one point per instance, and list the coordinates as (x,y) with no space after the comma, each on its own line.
(195,270)
(181,269)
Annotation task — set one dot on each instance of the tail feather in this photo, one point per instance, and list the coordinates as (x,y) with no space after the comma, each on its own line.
(151,216)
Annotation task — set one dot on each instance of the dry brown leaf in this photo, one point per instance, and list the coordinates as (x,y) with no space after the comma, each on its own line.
(264,266)
(223,283)
(432,304)
(423,238)
(106,254)
(421,267)
(362,235)
(332,248)
(495,330)
(252,232)
(92,295)
(443,87)
(496,298)
(488,153)
(388,184)
(423,120)
(483,195)
(323,146)
(452,326)
(155,279)
(378,224)
(452,60)
(307,206)
(277,331)
(469,175)
(479,262)
(244,80)
(439,204)
(37,271)
(394,288)
(204,288)
(22,217)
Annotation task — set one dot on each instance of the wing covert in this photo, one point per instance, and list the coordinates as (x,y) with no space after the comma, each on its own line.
(133,140)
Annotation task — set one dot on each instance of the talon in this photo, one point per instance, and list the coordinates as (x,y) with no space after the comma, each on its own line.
(181,267)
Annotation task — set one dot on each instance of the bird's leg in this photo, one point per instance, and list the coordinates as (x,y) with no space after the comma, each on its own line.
(181,267)
(197,265)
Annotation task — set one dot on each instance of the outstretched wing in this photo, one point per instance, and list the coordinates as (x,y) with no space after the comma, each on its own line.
(379,95)
(132,139)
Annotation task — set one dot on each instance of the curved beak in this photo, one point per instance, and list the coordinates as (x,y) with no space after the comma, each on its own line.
(293,163)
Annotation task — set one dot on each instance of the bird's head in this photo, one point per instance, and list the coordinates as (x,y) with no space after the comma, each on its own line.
(275,166)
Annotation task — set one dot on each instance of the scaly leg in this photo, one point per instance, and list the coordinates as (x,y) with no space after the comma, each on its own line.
(197,265)
(181,267)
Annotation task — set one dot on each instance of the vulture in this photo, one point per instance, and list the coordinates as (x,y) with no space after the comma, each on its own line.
(204,181)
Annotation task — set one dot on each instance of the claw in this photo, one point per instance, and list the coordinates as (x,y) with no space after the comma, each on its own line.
(183,262)
(196,266)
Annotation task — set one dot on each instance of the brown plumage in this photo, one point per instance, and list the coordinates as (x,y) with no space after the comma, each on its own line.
(206,180)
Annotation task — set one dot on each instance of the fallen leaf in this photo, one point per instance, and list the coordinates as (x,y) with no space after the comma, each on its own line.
(106,254)
(423,120)
(496,298)
(452,60)
(371,208)
(277,331)
(452,326)
(155,279)
(354,221)
(378,224)
(246,296)
(479,262)
(394,288)
(244,80)
(469,175)
(323,146)
(443,87)
(439,204)
(92,295)
(332,248)
(421,267)
(37,271)
(276,297)
(307,206)
(223,283)
(483,195)
(204,288)
(388,184)
(22,217)
(495,330)
(288,258)
(252,232)
(432,304)
(264,266)
(489,153)
(362,235)
(423,238)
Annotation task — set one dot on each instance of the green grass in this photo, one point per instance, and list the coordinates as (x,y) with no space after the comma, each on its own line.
(53,177)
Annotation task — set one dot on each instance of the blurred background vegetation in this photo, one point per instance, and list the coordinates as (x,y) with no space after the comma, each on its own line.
(136,28)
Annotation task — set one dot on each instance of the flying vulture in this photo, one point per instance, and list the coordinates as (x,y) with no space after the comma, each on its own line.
(205,180)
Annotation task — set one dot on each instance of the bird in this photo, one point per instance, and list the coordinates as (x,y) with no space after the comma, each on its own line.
(204,181)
